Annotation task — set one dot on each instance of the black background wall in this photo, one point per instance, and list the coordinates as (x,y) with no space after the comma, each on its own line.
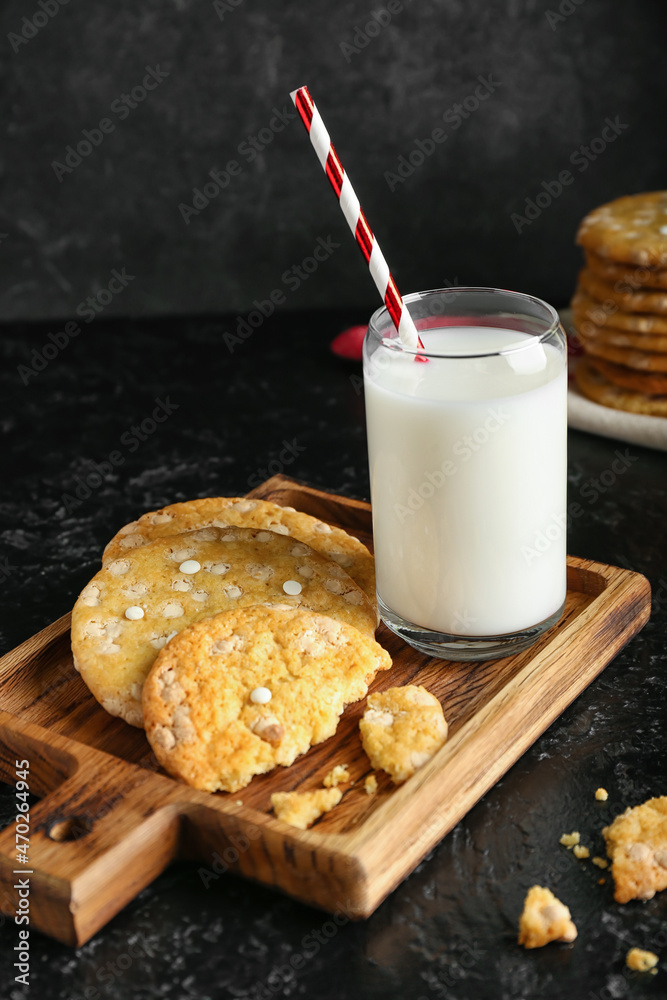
(551,75)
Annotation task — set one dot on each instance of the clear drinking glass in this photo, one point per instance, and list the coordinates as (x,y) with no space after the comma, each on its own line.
(467,451)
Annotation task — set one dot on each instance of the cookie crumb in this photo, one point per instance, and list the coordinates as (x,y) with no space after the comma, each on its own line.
(641,961)
(401,729)
(371,784)
(544,919)
(637,845)
(601,794)
(337,774)
(600,862)
(300,809)
(570,839)
(580,851)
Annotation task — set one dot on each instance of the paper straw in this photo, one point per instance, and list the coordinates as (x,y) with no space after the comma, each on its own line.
(356,219)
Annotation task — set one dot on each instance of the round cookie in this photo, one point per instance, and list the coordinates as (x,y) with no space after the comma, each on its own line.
(332,542)
(401,729)
(596,387)
(632,228)
(651,383)
(611,315)
(135,604)
(622,294)
(630,274)
(203,718)
(612,337)
(639,360)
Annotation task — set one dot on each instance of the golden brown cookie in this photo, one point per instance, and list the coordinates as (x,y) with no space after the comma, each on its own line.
(240,693)
(625,298)
(595,386)
(633,275)
(544,919)
(334,543)
(637,845)
(632,228)
(646,361)
(609,314)
(301,809)
(612,337)
(136,603)
(654,384)
(401,729)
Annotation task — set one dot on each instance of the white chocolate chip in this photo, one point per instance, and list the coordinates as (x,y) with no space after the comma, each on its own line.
(217,568)
(378,718)
(306,571)
(233,592)
(182,585)
(180,555)
(119,567)
(235,642)
(333,586)
(164,737)
(190,566)
(341,558)
(200,595)
(132,541)
(292,587)
(260,696)
(205,534)
(259,572)
(90,595)
(278,529)
(243,506)
(172,609)
(135,691)
(161,518)
(638,852)
(135,590)
(264,536)
(268,728)
(134,612)
(299,549)
(324,528)
(128,528)
(353,597)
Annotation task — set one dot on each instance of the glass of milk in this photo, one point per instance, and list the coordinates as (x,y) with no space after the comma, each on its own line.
(467,453)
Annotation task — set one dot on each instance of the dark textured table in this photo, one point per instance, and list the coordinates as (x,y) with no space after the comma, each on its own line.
(164,411)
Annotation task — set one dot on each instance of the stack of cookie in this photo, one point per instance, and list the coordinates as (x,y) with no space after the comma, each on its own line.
(234,630)
(620,305)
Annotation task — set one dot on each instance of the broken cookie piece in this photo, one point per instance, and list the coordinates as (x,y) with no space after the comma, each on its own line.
(637,845)
(544,919)
(300,809)
(401,730)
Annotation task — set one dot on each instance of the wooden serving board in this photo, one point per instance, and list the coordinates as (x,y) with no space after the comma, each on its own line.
(109,821)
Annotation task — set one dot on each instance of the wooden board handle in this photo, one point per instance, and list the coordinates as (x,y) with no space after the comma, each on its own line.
(103,831)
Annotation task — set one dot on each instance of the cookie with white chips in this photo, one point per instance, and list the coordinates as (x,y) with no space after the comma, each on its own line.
(135,604)
(240,693)
(401,729)
(332,542)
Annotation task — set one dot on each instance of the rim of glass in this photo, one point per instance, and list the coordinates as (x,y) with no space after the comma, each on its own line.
(397,345)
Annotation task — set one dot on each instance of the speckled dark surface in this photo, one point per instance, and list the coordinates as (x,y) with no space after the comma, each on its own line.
(557,79)
(449,930)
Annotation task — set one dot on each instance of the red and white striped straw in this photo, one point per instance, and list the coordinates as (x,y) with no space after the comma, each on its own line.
(356,219)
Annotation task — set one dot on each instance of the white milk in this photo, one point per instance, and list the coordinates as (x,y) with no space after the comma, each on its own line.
(468,480)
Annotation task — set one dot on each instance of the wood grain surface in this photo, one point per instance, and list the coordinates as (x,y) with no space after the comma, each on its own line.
(109,820)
